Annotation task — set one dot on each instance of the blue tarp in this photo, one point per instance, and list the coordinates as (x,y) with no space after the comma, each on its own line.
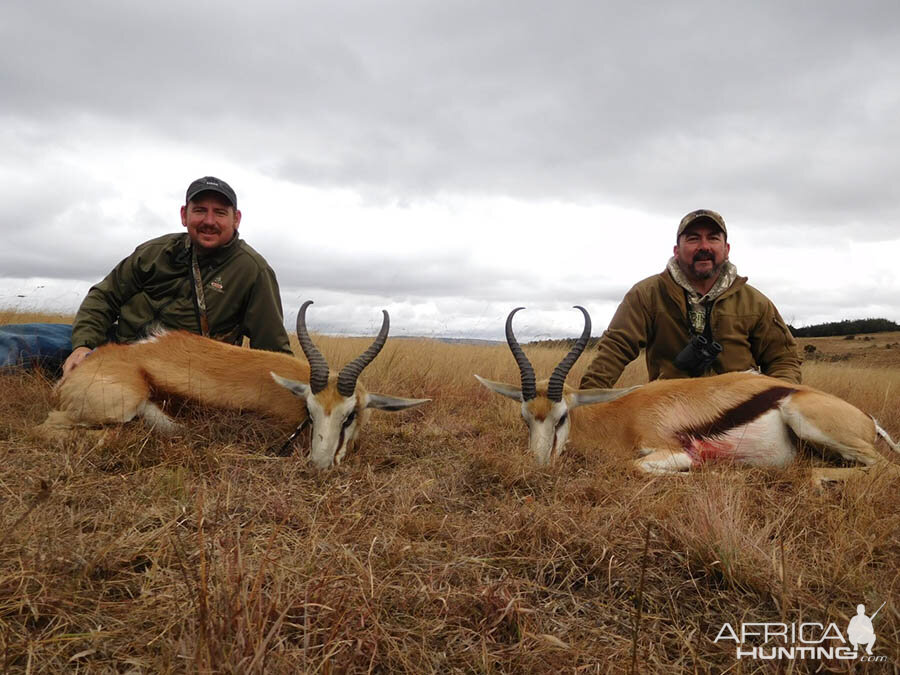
(35,344)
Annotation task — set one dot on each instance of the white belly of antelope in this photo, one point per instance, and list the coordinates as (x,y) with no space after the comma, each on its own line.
(763,442)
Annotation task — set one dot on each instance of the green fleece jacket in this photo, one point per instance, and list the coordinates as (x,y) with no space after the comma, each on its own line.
(153,287)
(653,316)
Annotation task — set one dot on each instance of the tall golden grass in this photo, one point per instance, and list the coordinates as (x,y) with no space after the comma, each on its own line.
(8,316)
(436,547)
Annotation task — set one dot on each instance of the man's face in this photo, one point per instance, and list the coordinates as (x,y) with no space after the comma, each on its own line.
(701,251)
(210,220)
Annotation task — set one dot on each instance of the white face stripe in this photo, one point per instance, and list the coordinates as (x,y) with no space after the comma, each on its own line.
(329,438)
(547,438)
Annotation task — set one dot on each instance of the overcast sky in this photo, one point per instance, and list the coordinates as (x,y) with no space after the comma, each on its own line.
(449,161)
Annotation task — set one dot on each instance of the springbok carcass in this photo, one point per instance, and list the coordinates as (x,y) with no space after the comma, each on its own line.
(117,383)
(675,425)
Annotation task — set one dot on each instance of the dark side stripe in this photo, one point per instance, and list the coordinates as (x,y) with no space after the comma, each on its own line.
(741,414)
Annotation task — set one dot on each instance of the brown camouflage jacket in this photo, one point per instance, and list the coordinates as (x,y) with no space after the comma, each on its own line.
(654,316)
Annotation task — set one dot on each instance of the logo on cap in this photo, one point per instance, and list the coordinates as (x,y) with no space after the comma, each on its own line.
(210,183)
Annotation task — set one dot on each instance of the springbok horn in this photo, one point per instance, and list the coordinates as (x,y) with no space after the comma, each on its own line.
(318,366)
(526,372)
(558,378)
(346,383)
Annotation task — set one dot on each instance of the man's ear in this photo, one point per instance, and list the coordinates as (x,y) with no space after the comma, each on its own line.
(184,215)
(237,218)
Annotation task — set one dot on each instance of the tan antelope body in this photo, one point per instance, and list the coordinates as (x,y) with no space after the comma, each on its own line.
(679,424)
(117,383)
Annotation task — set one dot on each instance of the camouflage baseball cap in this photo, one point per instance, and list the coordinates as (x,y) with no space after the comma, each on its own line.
(211,184)
(699,215)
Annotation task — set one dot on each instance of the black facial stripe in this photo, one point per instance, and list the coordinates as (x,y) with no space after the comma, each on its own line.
(339,446)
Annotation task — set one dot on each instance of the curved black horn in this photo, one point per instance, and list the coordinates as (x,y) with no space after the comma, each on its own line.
(318,366)
(346,383)
(558,378)
(526,372)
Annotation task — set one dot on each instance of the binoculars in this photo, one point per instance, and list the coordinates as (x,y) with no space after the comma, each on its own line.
(697,356)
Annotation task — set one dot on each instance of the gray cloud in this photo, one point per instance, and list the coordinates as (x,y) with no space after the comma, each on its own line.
(780,115)
(777,110)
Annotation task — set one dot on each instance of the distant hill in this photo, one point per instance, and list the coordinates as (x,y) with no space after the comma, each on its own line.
(450,340)
(564,343)
(832,329)
(845,327)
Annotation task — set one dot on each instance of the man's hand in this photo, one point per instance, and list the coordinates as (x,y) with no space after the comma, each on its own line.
(77,356)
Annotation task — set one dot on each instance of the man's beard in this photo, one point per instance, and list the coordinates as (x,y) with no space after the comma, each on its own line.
(708,273)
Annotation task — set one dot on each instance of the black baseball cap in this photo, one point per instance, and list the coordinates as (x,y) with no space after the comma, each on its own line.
(211,184)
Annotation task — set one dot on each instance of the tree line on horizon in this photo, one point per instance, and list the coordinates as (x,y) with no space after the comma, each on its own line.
(845,327)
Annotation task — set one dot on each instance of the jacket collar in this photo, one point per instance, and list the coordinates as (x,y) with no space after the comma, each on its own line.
(726,278)
(676,290)
(217,254)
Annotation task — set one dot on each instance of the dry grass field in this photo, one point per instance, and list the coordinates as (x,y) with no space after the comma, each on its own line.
(437,546)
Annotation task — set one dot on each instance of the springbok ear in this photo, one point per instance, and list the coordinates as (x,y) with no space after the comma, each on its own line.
(503,389)
(588,396)
(300,389)
(392,403)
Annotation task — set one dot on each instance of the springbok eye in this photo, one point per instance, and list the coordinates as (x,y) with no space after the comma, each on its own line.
(562,420)
(349,419)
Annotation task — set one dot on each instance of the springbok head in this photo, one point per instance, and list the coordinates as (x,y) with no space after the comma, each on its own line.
(338,405)
(546,404)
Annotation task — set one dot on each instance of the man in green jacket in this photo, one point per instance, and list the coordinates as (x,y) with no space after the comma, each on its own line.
(696,318)
(206,281)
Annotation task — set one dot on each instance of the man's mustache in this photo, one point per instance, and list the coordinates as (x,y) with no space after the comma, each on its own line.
(704,255)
